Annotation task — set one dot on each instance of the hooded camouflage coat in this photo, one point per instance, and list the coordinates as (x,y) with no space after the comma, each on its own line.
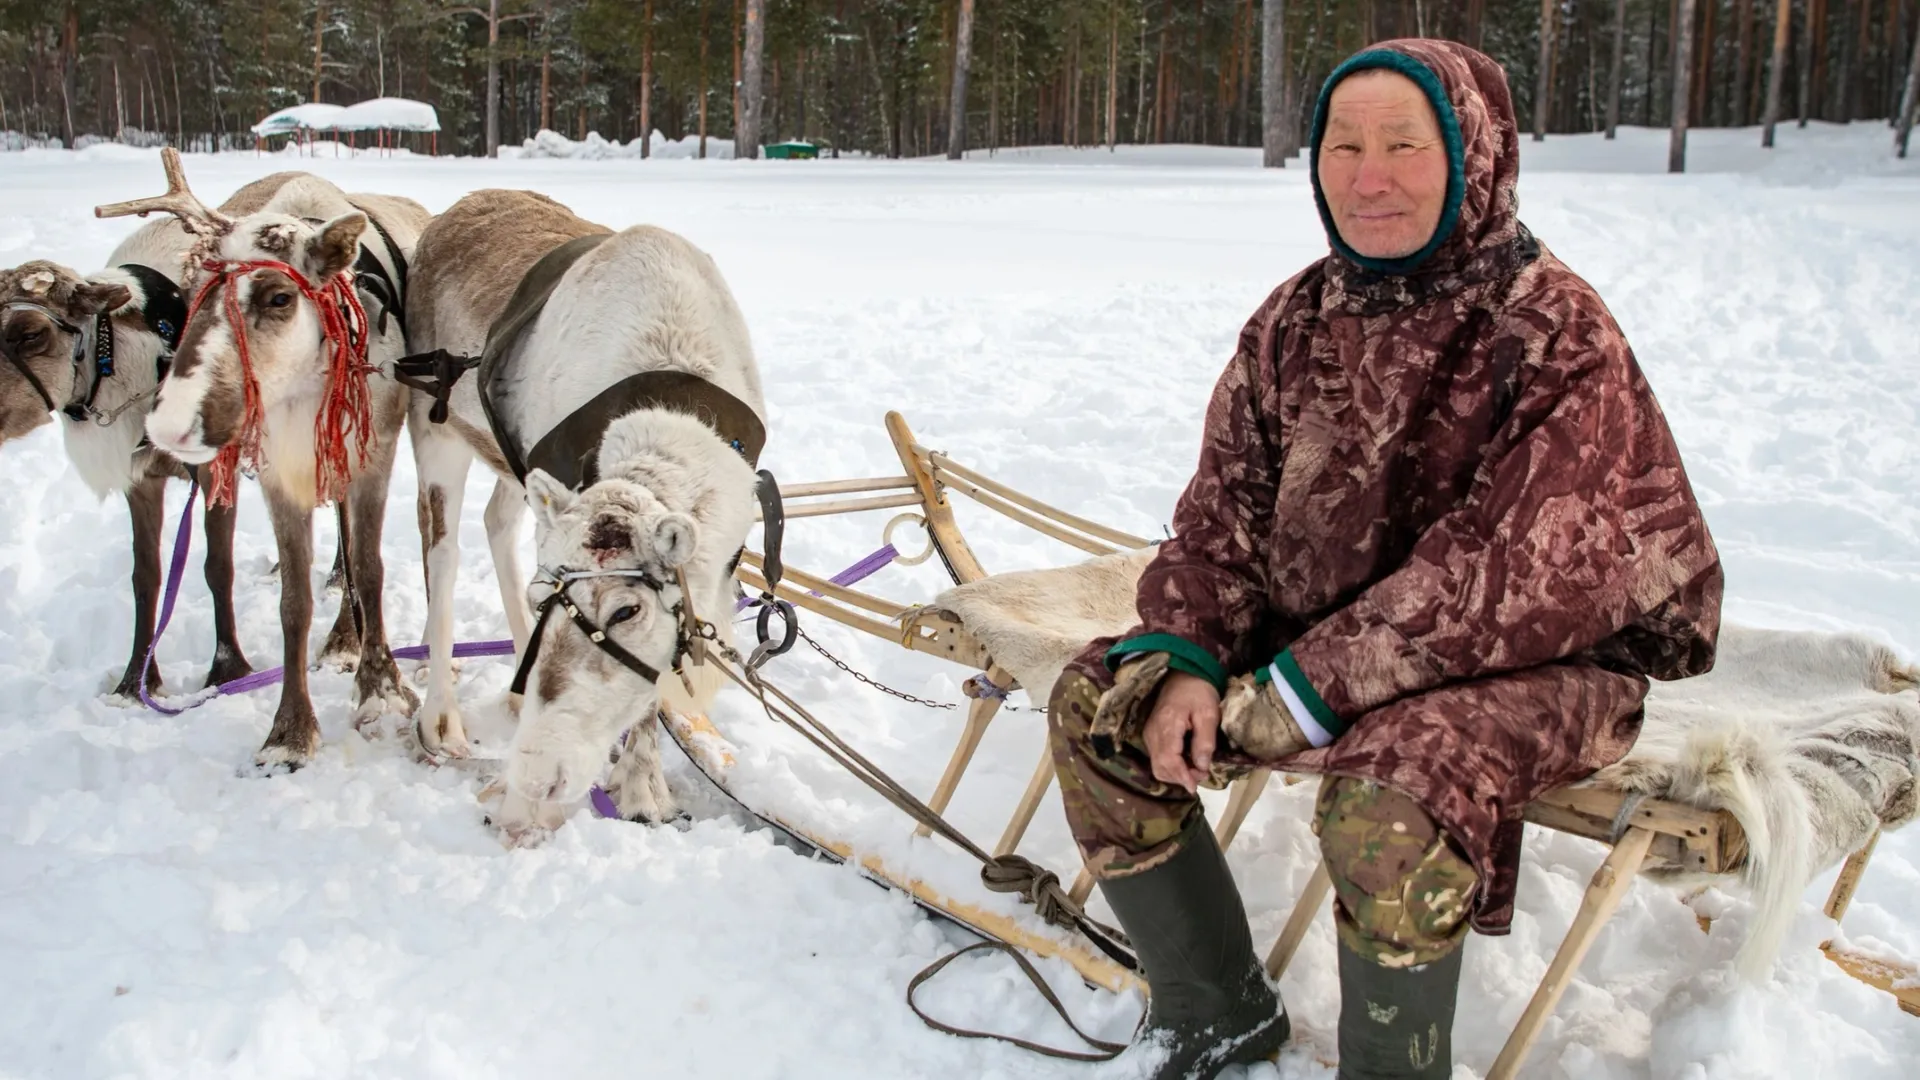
(1444,504)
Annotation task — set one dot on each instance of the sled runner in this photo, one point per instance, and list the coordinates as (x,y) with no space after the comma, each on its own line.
(1016,631)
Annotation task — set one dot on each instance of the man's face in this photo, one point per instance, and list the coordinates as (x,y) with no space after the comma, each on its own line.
(1383,165)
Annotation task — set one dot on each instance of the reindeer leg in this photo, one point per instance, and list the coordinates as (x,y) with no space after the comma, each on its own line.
(637,784)
(442,464)
(296,732)
(342,650)
(146,507)
(505,510)
(229,662)
(337,577)
(378,688)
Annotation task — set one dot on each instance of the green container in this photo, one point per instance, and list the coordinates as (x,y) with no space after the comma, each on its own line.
(791,150)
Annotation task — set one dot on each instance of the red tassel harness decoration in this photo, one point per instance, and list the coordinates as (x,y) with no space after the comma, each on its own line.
(347,409)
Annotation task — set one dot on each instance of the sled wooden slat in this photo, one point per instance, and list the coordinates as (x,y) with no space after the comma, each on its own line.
(943,463)
(1899,980)
(1609,886)
(979,715)
(953,549)
(1029,803)
(799,581)
(1841,898)
(847,487)
(1031,521)
(845,506)
(1312,899)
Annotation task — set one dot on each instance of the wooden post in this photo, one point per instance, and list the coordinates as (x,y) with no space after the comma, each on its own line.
(1682,80)
(1842,896)
(1246,792)
(1312,899)
(1543,86)
(1777,76)
(953,549)
(1029,802)
(962,60)
(1609,886)
(1619,65)
(979,715)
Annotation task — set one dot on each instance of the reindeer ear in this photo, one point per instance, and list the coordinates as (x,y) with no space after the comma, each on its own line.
(549,497)
(337,246)
(94,297)
(673,539)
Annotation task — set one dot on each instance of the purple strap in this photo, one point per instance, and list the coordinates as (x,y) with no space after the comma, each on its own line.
(852,575)
(182,540)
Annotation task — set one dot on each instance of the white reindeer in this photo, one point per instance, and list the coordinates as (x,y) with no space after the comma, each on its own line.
(266,368)
(673,496)
(50,336)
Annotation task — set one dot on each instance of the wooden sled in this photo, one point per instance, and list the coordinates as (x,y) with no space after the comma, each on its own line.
(1654,833)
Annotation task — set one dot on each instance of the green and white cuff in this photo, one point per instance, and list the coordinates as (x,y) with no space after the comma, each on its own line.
(1309,710)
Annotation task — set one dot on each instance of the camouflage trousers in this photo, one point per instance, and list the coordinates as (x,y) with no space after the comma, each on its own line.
(1402,889)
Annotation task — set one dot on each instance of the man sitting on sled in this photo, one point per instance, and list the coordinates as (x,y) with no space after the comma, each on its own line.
(1438,540)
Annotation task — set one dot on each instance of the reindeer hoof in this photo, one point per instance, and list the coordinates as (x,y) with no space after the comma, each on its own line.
(275,760)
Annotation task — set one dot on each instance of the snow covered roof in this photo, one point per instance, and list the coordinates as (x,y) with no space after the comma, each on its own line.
(389,113)
(298,117)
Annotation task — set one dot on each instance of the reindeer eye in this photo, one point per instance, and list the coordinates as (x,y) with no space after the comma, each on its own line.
(622,615)
(280,299)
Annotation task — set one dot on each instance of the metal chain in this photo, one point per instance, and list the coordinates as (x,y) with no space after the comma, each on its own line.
(885,689)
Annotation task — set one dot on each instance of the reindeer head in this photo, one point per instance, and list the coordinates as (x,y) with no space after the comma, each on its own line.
(202,406)
(256,326)
(617,552)
(45,310)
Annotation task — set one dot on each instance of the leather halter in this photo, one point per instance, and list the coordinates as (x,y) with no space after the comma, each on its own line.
(562,579)
(79,348)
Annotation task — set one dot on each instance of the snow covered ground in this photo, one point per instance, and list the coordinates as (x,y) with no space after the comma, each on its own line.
(1054,318)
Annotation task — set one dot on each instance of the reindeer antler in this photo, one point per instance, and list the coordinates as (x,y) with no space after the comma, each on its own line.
(178,201)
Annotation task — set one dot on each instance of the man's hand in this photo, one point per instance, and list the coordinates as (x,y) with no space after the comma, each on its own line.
(1188,708)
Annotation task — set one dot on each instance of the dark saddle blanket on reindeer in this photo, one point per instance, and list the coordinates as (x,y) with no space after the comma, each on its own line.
(570,452)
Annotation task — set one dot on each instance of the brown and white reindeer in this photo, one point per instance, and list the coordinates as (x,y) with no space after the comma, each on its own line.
(90,351)
(295,309)
(632,402)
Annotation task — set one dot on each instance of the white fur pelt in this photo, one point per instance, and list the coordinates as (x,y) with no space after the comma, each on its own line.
(1808,740)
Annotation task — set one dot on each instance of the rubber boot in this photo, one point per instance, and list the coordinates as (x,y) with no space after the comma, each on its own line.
(1209,1004)
(1397,1023)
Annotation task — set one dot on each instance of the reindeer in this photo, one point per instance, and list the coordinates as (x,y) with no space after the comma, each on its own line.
(295,310)
(91,350)
(666,491)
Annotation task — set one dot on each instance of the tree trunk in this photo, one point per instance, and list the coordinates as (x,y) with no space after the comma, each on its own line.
(1857,97)
(1739,108)
(319,26)
(706,90)
(1910,98)
(1113,74)
(1161,77)
(69,61)
(962,61)
(1278,139)
(1617,76)
(1477,23)
(1819,78)
(1543,87)
(493,78)
(646,80)
(752,63)
(1703,74)
(1682,83)
(1782,35)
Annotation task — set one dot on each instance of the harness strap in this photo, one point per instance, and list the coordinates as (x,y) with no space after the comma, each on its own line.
(434,374)
(80,409)
(1107,1051)
(32,379)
